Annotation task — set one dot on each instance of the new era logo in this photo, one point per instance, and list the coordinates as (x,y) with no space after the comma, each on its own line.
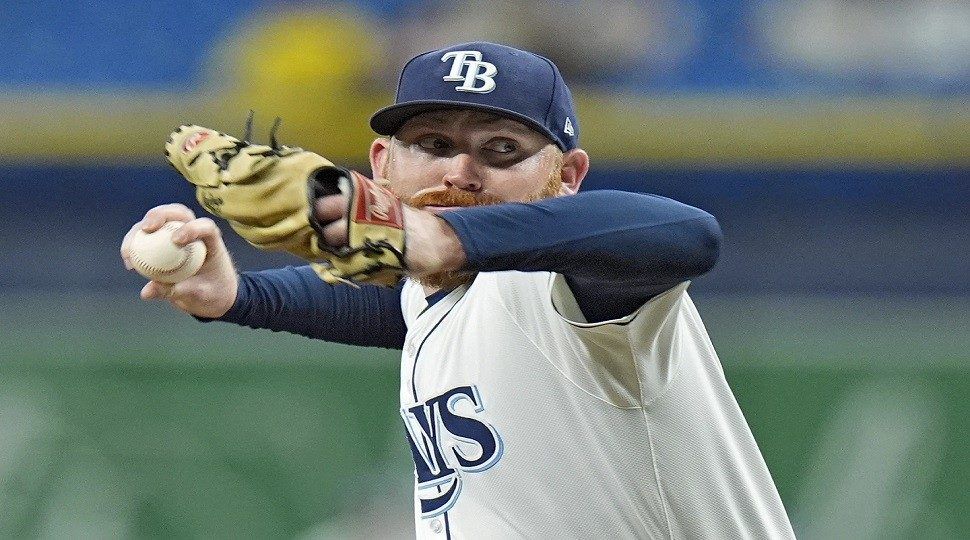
(568,128)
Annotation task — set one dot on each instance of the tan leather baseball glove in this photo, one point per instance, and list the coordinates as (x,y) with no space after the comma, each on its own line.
(266,193)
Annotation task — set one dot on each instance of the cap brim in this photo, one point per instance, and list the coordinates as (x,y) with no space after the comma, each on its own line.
(390,119)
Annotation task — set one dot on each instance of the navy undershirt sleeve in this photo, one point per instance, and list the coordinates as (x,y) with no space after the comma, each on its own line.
(295,300)
(616,249)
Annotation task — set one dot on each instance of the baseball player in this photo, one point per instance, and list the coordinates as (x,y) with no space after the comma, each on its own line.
(556,379)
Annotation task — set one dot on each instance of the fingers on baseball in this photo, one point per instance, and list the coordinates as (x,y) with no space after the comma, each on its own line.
(153,220)
(204,229)
(160,215)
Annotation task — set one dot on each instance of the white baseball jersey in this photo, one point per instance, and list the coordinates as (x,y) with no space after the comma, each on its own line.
(526,421)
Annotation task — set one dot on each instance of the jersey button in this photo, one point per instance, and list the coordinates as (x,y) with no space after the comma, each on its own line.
(436,526)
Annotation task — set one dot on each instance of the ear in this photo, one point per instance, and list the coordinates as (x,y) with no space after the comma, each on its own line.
(379,151)
(575,165)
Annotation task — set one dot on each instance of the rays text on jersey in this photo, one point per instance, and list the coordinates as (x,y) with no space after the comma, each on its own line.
(448,438)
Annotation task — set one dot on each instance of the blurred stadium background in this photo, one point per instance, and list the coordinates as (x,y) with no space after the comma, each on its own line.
(830,137)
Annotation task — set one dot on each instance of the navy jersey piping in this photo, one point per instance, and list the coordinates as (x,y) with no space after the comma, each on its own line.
(414,370)
(414,367)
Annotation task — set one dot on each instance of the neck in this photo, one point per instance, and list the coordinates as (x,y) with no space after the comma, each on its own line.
(444,281)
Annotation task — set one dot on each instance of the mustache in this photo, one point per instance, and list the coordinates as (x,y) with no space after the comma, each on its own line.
(451,197)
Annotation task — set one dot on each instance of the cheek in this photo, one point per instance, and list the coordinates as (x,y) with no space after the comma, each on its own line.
(526,178)
(408,173)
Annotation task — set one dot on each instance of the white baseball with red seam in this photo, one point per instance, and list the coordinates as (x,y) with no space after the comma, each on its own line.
(156,257)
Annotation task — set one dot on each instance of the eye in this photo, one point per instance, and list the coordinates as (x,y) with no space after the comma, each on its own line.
(433,142)
(502,146)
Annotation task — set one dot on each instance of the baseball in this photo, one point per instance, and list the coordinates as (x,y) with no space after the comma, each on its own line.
(156,257)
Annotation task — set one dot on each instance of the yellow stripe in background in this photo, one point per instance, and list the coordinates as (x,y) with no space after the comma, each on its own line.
(320,81)
(713,130)
(701,130)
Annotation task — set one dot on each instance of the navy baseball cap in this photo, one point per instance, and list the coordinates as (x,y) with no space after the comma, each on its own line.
(486,76)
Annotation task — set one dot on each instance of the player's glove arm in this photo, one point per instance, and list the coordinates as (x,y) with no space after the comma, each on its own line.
(266,193)
(295,300)
(616,249)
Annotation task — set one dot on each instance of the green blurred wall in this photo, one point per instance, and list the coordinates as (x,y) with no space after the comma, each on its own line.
(124,419)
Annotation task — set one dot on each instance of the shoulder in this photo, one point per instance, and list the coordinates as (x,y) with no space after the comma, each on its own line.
(563,301)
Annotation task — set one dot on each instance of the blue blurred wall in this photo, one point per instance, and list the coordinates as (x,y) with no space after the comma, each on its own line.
(825,229)
(142,43)
(806,231)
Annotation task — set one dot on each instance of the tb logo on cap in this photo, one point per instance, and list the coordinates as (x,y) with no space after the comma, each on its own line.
(475,71)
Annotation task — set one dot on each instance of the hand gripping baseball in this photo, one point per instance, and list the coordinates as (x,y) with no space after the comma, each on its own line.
(266,194)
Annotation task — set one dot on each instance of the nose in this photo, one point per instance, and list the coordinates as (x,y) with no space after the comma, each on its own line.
(463,173)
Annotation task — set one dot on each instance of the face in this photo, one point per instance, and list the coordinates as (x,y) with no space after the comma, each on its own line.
(441,160)
(454,158)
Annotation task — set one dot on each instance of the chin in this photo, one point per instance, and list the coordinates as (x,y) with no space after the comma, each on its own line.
(447,280)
